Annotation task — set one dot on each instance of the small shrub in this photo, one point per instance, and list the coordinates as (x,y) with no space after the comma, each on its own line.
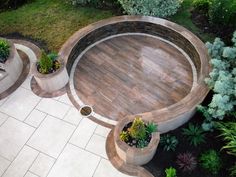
(151,128)
(223,12)
(168,142)
(202,5)
(210,160)
(228,132)
(170,172)
(124,136)
(195,134)
(159,8)
(4,50)
(11,4)
(96,3)
(138,130)
(186,162)
(45,63)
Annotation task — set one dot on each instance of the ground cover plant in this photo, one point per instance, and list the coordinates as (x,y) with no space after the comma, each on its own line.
(4,50)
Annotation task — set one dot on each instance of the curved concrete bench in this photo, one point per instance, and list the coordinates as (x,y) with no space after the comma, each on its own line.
(177,114)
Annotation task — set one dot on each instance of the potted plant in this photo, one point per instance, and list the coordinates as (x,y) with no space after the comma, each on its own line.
(11,64)
(136,140)
(50,72)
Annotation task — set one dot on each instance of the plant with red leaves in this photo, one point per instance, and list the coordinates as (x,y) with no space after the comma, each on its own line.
(186,162)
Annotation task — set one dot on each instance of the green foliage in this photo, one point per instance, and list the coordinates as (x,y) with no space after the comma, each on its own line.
(151,128)
(159,8)
(168,142)
(202,5)
(4,50)
(142,143)
(222,80)
(210,160)
(53,56)
(124,136)
(170,172)
(195,134)
(137,129)
(186,162)
(45,63)
(223,12)
(233,170)
(95,3)
(8,4)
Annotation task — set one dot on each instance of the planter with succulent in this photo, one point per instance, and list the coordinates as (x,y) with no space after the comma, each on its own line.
(136,140)
(11,64)
(50,72)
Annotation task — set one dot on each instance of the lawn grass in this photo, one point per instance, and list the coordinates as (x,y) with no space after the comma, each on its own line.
(51,21)
(54,21)
(183,17)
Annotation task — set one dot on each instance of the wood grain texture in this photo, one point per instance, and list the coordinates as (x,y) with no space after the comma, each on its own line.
(128,75)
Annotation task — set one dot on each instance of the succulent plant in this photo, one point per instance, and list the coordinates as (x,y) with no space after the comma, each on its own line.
(186,162)
(138,129)
(170,172)
(124,136)
(151,128)
(169,142)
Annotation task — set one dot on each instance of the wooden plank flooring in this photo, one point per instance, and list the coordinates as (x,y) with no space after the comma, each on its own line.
(132,74)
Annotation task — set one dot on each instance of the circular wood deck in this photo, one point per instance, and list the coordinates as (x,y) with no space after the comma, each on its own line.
(128,75)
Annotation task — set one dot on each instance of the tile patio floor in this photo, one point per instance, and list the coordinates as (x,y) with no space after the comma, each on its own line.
(48,138)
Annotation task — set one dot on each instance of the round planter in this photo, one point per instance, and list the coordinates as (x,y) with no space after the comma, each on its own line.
(133,155)
(54,81)
(13,68)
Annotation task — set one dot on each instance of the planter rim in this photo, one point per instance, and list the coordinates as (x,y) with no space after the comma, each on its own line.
(37,74)
(123,145)
(12,51)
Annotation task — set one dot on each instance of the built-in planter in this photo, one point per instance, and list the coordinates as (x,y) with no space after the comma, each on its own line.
(133,155)
(53,81)
(11,69)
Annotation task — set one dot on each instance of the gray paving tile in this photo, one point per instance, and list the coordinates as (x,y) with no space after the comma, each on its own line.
(3,165)
(75,162)
(35,118)
(13,135)
(21,164)
(73,116)
(51,136)
(53,107)
(42,165)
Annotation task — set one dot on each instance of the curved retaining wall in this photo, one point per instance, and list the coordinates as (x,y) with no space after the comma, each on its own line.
(177,114)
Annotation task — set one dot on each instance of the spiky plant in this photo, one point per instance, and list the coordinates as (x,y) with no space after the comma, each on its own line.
(124,136)
(186,162)
(4,50)
(151,128)
(195,134)
(170,172)
(138,129)
(169,142)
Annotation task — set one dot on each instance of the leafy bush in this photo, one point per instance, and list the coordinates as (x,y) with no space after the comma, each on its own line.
(210,160)
(228,132)
(124,136)
(11,4)
(170,172)
(186,162)
(159,8)
(45,63)
(138,130)
(168,142)
(95,3)
(4,50)
(202,5)
(194,134)
(151,128)
(222,80)
(223,12)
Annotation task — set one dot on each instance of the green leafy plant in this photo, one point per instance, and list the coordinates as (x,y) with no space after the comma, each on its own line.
(170,172)
(4,50)
(124,136)
(151,128)
(137,129)
(210,160)
(45,63)
(159,8)
(168,142)
(202,5)
(142,143)
(228,132)
(222,81)
(194,133)
(186,162)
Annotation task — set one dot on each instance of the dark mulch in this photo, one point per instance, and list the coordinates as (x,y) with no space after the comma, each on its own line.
(201,20)
(41,44)
(163,159)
